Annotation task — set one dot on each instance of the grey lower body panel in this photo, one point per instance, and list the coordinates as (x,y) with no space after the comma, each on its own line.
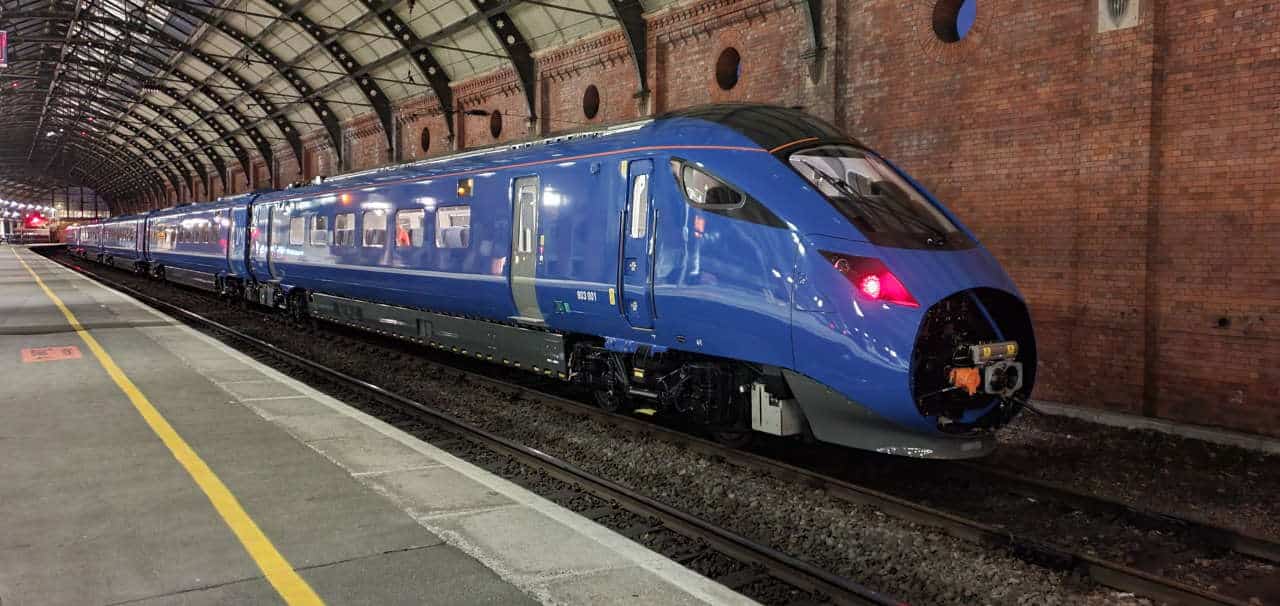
(123,263)
(197,279)
(535,350)
(836,419)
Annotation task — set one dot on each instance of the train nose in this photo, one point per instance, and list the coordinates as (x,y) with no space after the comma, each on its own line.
(974,360)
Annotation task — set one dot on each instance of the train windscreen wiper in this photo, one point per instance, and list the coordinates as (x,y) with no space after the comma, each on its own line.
(937,236)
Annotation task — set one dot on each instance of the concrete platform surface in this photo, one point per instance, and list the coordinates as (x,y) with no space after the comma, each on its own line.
(192,474)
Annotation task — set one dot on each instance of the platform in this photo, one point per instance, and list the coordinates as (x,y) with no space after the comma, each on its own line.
(142,462)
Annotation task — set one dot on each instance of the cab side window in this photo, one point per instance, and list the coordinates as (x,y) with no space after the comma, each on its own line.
(712,194)
(702,189)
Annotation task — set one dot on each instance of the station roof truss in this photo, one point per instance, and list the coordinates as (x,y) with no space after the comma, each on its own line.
(131,97)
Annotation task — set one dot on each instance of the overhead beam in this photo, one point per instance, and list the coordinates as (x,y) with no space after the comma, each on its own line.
(630,14)
(185,153)
(426,42)
(321,106)
(518,51)
(114,122)
(423,59)
(254,135)
(345,60)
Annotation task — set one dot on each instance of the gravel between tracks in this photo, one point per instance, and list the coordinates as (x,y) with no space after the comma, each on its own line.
(1226,485)
(912,562)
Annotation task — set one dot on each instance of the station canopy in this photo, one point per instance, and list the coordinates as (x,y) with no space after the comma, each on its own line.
(130,96)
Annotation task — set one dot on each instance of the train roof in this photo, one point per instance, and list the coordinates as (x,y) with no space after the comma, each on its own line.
(747,126)
(771,128)
(121,218)
(196,207)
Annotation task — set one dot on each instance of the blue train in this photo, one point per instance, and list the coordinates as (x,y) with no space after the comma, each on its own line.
(747,267)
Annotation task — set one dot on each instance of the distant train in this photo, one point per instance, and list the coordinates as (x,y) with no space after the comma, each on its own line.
(747,267)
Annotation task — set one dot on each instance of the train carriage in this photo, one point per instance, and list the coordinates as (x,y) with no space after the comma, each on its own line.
(747,267)
(200,245)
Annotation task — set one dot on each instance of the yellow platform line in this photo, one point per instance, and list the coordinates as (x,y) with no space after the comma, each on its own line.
(274,567)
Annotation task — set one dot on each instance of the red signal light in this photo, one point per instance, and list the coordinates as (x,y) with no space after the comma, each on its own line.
(870,286)
(872,280)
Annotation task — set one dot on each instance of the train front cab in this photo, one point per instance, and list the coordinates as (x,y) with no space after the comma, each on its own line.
(909,337)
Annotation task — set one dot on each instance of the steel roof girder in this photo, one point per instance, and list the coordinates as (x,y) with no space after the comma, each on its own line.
(423,58)
(340,55)
(630,14)
(518,52)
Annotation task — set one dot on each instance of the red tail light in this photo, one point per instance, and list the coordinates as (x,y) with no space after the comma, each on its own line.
(871,279)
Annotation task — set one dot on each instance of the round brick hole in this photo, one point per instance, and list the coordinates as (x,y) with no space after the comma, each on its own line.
(495,123)
(591,102)
(425,141)
(728,68)
(952,19)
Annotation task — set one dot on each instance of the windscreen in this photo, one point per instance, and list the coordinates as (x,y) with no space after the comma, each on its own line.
(887,208)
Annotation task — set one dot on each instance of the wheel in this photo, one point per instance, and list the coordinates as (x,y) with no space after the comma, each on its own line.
(297,309)
(158,272)
(734,439)
(612,397)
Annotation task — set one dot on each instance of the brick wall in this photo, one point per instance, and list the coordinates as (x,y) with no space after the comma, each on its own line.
(215,186)
(366,143)
(1125,178)
(1115,175)
(420,121)
(1217,183)
(769,35)
(499,93)
(565,74)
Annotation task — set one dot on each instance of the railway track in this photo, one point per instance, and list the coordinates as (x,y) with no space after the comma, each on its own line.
(1036,549)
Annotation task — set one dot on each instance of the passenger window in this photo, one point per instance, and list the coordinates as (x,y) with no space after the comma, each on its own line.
(409,228)
(453,227)
(319,231)
(344,229)
(297,230)
(639,207)
(526,213)
(375,228)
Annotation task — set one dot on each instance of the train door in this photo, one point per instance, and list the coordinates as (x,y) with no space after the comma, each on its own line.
(637,246)
(524,249)
(223,226)
(144,244)
(260,241)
